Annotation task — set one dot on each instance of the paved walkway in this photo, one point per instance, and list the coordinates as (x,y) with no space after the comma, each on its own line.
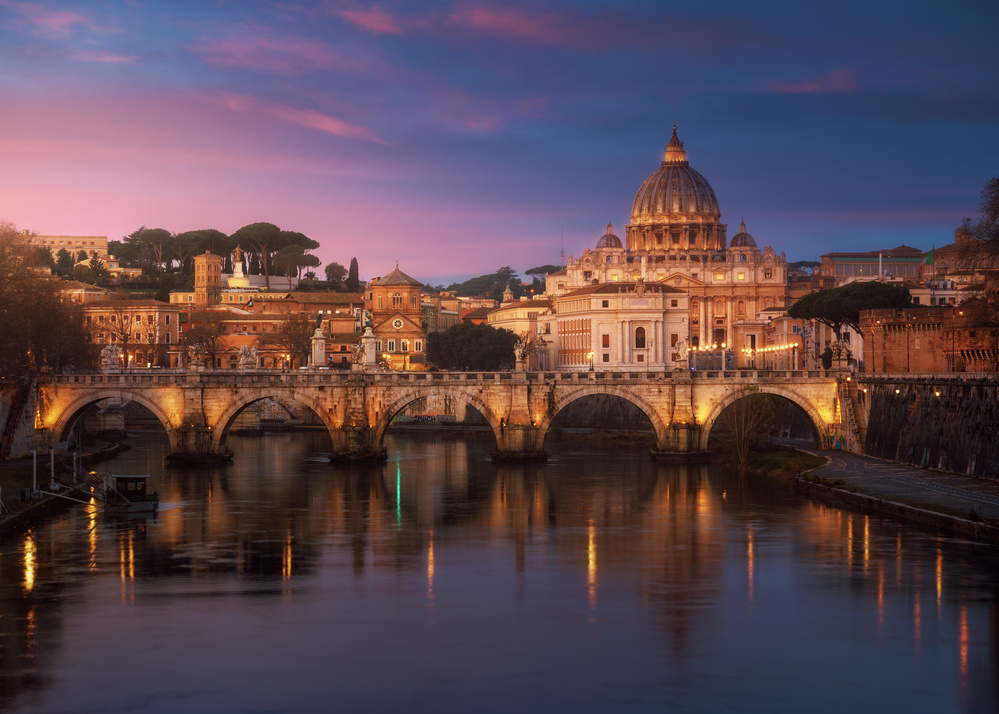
(906,484)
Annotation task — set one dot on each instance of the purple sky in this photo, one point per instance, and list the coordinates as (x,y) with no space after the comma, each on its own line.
(459,137)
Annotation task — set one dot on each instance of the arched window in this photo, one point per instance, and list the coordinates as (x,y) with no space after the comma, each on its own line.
(639,338)
(396,300)
(379,302)
(742,257)
(741,308)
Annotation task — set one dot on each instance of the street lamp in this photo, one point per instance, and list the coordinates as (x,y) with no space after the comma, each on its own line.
(590,355)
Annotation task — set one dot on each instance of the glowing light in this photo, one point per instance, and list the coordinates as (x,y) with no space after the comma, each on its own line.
(963,641)
(430,568)
(939,580)
(30,562)
(591,563)
(286,559)
(750,562)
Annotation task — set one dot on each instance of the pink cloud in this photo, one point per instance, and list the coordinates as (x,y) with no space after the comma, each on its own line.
(373,19)
(303,117)
(278,55)
(508,23)
(840,80)
(103,56)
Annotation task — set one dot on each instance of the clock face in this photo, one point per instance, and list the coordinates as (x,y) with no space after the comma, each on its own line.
(397,323)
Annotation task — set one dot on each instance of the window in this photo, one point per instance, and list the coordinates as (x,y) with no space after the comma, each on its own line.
(768,274)
(190,298)
(168,338)
(719,275)
(605,357)
(150,320)
(396,300)
(673,303)
(742,258)
(167,319)
(605,341)
(405,345)
(605,303)
(150,337)
(415,301)
(742,275)
(641,358)
(379,302)
(640,338)
(391,345)
(418,346)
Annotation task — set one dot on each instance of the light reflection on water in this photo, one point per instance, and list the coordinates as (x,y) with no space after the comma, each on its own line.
(442,582)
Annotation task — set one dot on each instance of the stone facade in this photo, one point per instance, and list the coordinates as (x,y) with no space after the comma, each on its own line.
(395,305)
(928,340)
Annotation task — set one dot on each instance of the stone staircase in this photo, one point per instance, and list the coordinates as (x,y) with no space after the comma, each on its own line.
(17,403)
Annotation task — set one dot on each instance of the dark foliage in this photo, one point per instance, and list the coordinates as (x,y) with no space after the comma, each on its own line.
(472,348)
(841,306)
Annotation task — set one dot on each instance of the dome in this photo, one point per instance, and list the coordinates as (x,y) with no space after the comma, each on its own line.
(609,240)
(674,189)
(742,239)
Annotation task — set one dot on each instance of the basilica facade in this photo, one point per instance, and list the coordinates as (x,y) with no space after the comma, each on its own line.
(676,239)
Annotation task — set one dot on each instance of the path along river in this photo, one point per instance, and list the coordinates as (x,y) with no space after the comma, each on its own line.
(441,582)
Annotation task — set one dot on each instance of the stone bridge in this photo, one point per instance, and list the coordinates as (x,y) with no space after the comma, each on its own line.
(197,409)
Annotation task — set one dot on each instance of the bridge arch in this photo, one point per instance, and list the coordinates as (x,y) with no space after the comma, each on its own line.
(658,425)
(818,423)
(465,395)
(74,410)
(220,429)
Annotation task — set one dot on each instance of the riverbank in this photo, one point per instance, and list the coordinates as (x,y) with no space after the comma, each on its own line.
(949,504)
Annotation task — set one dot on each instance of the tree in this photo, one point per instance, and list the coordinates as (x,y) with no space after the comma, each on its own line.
(81,256)
(841,306)
(259,239)
(475,348)
(157,240)
(205,336)
(64,262)
(335,276)
(292,258)
(294,337)
(353,280)
(491,285)
(98,268)
(38,329)
(746,423)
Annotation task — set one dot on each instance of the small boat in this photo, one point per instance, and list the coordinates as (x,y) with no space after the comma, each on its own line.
(128,494)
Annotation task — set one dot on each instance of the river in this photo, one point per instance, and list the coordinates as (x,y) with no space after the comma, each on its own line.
(441,582)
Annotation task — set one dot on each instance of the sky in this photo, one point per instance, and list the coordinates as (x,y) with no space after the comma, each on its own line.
(457,137)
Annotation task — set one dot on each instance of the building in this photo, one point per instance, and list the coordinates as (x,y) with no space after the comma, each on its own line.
(526,318)
(147,331)
(207,279)
(676,238)
(619,326)
(901,262)
(395,305)
(92,246)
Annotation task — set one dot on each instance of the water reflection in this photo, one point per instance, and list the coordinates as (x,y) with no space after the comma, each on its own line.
(595,576)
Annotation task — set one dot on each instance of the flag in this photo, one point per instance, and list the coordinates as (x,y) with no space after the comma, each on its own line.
(927,265)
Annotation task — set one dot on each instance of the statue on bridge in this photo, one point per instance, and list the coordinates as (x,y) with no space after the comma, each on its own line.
(248,357)
(111,358)
(681,350)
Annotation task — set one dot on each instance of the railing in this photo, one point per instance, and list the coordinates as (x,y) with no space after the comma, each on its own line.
(331,377)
